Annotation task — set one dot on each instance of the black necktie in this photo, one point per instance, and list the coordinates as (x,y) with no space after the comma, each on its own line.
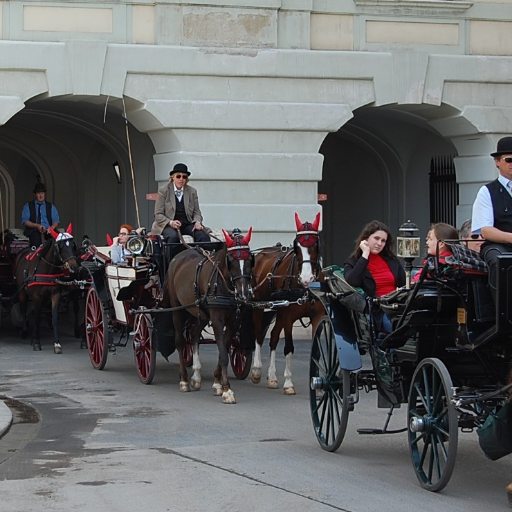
(38,221)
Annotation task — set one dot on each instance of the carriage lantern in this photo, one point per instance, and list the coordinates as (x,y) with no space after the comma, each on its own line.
(408,247)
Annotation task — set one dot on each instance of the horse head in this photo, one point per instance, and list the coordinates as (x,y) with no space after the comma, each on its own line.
(307,249)
(240,262)
(65,248)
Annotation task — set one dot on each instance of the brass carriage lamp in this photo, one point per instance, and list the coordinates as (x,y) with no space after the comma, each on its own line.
(408,247)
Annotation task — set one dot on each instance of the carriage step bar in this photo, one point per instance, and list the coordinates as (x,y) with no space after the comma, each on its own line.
(378,431)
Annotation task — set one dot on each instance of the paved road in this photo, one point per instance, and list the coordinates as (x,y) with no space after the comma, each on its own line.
(103,441)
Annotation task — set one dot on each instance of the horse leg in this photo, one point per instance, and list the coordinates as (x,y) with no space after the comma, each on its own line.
(223,337)
(178,318)
(288,386)
(57,348)
(23,299)
(78,326)
(272,381)
(36,343)
(195,380)
(257,317)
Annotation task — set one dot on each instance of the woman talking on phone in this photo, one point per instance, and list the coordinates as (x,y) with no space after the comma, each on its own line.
(373,266)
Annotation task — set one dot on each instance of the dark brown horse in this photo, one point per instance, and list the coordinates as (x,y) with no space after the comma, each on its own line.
(210,288)
(37,275)
(284,273)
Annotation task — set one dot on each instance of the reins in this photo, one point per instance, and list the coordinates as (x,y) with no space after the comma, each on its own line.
(215,264)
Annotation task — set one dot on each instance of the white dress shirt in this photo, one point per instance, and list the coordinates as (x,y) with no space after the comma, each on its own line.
(483,213)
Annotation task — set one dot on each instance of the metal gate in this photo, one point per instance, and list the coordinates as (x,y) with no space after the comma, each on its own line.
(444,190)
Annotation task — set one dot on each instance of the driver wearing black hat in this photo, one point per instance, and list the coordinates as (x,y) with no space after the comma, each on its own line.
(38,215)
(177,208)
(492,211)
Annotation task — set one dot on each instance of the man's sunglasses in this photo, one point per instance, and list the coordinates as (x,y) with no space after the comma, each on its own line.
(184,176)
(476,237)
(507,159)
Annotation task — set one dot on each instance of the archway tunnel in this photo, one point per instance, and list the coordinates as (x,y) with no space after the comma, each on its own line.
(71,144)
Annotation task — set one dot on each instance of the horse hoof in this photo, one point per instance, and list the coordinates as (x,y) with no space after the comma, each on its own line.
(228,397)
(289,391)
(36,346)
(57,349)
(184,387)
(83,344)
(255,376)
(217,389)
(195,384)
(272,384)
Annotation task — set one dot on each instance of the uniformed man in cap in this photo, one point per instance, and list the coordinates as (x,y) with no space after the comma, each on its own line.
(492,211)
(177,208)
(38,215)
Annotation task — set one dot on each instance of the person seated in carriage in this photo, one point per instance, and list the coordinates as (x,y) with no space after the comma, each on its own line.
(118,250)
(438,245)
(177,208)
(38,216)
(374,267)
(472,240)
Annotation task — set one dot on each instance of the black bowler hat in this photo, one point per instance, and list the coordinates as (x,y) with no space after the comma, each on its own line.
(39,187)
(504,147)
(180,168)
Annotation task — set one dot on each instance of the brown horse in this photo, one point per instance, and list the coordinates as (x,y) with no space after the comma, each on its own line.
(284,274)
(37,276)
(211,288)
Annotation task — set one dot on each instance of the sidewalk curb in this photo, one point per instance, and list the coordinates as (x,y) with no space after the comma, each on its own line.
(5,416)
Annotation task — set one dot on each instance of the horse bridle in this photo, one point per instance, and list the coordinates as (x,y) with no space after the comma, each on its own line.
(56,250)
(241,249)
(315,264)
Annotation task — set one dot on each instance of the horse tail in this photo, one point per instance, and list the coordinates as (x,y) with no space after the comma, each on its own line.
(166,298)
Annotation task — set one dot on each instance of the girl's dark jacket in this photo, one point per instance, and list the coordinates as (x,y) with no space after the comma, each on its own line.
(358,275)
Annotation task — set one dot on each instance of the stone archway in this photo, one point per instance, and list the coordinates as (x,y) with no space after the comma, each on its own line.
(70,145)
(377,166)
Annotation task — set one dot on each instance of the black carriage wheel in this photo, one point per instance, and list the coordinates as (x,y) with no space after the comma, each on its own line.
(240,359)
(433,424)
(96,330)
(329,392)
(144,351)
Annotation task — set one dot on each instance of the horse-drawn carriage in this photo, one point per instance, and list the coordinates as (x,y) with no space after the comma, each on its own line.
(141,299)
(447,357)
(128,301)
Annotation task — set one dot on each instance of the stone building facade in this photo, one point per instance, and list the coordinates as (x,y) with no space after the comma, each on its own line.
(269,102)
